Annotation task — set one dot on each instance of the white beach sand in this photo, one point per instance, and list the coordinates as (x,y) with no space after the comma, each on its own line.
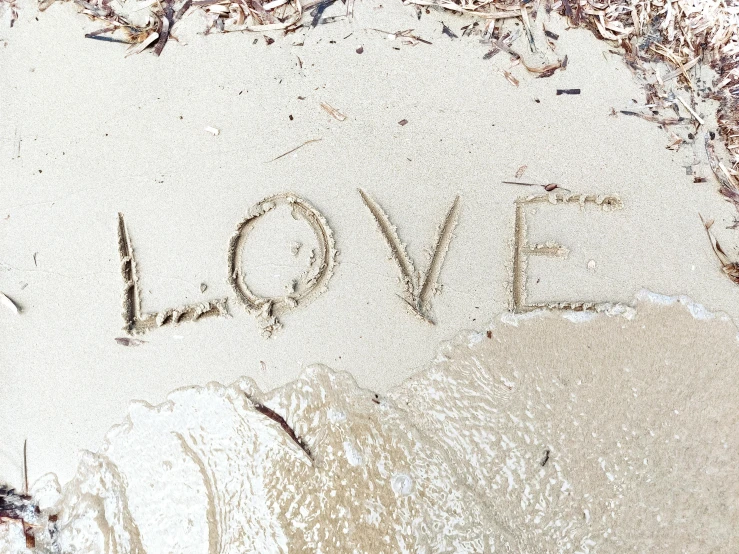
(86,134)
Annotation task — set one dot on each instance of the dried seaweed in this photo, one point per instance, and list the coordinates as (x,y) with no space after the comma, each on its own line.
(20,508)
(158,25)
(683,33)
(731,269)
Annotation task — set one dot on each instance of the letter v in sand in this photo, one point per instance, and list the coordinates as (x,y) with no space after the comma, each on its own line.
(418,287)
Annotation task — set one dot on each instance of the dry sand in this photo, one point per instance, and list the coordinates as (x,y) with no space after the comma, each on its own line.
(86,134)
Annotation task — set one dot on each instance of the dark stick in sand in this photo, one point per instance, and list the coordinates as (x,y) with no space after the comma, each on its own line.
(549,187)
(274,416)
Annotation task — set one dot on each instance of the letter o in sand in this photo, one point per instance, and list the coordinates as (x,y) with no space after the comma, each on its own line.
(311,283)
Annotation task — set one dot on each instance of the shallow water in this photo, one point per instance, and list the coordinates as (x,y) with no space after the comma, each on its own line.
(543,434)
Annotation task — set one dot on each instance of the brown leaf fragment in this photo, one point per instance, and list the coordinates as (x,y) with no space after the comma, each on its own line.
(127,341)
(489,54)
(551,35)
(403,122)
(675,142)
(561,91)
(268,40)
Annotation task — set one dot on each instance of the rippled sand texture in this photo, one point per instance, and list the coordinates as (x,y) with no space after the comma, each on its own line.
(543,435)
(639,418)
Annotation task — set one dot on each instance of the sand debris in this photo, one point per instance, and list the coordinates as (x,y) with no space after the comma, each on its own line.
(445,30)
(128,341)
(511,79)
(143,45)
(549,187)
(8,304)
(405,37)
(333,112)
(730,268)
(12,7)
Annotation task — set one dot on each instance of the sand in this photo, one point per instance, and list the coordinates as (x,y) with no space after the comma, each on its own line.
(615,434)
(86,134)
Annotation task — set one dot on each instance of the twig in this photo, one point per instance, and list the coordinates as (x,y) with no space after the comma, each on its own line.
(25,466)
(687,107)
(294,149)
(655,119)
(549,187)
(183,9)
(274,416)
(103,31)
(681,70)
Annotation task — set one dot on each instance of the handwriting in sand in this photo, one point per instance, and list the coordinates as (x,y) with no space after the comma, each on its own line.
(418,287)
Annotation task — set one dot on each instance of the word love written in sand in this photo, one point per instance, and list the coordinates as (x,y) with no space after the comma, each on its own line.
(418,288)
